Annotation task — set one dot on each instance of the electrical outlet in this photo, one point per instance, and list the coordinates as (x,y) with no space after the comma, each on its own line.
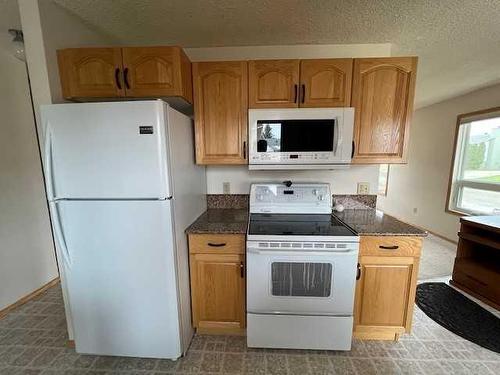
(415,210)
(363,188)
(226,188)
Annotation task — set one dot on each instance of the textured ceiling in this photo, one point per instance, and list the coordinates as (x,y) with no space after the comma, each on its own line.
(458,41)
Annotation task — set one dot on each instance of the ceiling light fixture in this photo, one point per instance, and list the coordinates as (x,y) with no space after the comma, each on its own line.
(18,44)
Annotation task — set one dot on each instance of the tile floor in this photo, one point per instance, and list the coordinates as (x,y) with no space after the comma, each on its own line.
(33,337)
(437,258)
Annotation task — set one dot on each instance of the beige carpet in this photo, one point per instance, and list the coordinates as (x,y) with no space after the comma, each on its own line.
(437,258)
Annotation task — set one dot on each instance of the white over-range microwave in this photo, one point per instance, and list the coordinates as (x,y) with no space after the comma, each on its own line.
(300,138)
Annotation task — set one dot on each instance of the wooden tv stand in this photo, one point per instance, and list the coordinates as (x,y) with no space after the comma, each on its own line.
(477,264)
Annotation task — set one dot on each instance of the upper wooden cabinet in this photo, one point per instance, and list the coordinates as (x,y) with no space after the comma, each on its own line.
(382,95)
(325,83)
(136,72)
(161,71)
(273,83)
(221,106)
(91,72)
(299,83)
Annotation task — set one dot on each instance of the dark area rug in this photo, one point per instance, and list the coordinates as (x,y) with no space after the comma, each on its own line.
(460,315)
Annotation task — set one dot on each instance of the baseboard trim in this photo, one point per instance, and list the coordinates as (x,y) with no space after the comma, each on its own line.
(28,297)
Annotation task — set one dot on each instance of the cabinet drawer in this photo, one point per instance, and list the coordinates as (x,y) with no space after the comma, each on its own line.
(217,243)
(390,246)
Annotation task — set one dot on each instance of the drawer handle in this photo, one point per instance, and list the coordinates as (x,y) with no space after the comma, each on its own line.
(216,244)
(393,247)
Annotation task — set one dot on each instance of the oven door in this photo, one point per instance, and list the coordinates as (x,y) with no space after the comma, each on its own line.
(300,282)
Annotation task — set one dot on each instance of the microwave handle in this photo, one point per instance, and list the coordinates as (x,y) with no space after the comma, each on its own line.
(336,138)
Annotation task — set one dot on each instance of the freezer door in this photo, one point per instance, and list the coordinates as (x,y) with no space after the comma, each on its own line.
(106,150)
(119,266)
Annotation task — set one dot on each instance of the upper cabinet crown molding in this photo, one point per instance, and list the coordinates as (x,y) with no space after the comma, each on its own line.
(135,72)
(221,112)
(382,95)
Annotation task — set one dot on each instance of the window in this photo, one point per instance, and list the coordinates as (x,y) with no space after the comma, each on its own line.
(301,279)
(383,179)
(475,182)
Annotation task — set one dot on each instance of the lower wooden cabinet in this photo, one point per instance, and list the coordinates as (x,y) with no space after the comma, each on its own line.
(217,268)
(385,289)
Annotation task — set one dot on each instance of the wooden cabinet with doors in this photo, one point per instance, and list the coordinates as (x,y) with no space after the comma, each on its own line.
(91,72)
(273,83)
(325,83)
(217,268)
(133,72)
(382,95)
(221,112)
(386,286)
(299,83)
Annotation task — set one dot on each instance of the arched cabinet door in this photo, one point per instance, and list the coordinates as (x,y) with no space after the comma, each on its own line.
(273,83)
(156,72)
(325,83)
(382,95)
(221,106)
(91,72)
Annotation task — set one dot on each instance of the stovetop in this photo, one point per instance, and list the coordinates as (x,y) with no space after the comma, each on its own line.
(297,225)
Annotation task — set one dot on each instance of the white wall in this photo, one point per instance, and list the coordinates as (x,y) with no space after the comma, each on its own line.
(47,28)
(423,182)
(342,181)
(298,51)
(27,258)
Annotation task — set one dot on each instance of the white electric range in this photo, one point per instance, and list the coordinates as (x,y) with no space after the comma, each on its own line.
(301,269)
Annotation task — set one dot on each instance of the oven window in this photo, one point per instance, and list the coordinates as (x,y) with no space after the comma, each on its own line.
(301,279)
(295,135)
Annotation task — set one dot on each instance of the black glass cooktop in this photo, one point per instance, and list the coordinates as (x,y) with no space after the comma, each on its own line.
(297,225)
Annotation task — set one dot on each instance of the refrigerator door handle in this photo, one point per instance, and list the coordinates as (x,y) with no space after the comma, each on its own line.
(47,150)
(58,231)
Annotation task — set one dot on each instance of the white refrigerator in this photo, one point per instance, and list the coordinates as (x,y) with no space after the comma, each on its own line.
(122,186)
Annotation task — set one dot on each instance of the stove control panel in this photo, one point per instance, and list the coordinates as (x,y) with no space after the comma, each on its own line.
(290,198)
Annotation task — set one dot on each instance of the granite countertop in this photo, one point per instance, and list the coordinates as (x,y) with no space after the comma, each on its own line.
(374,222)
(221,220)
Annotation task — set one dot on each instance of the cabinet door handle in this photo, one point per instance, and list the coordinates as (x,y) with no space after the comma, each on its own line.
(222,244)
(125,78)
(393,247)
(244,149)
(117,78)
(242,270)
(303,93)
(353,149)
(296,90)
(358,272)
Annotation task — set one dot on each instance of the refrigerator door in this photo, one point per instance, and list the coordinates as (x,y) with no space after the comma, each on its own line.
(106,150)
(119,266)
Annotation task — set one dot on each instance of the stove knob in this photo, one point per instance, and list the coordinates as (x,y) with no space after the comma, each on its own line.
(321,197)
(315,191)
(260,197)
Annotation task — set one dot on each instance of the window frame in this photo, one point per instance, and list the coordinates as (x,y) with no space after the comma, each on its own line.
(454,186)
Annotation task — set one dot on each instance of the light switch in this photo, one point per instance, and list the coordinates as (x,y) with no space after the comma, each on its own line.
(363,188)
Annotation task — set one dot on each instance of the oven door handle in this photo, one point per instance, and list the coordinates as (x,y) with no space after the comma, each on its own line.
(254,250)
